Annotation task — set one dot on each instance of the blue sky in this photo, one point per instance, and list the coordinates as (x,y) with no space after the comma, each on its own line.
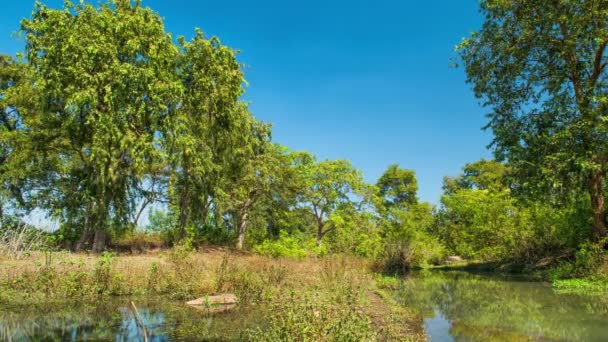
(367,81)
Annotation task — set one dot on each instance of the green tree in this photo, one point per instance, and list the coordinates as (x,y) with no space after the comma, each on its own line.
(254,171)
(203,134)
(482,223)
(329,186)
(541,68)
(405,222)
(15,96)
(397,187)
(278,211)
(482,174)
(104,77)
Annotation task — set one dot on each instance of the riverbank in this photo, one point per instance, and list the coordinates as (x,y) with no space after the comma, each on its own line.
(318,299)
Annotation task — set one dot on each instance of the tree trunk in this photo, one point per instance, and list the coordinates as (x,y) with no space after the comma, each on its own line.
(141,210)
(598,205)
(86,234)
(99,241)
(242,223)
(242,228)
(83,241)
(219,216)
(320,234)
(183,209)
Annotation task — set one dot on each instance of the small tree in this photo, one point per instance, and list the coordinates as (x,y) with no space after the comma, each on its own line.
(328,186)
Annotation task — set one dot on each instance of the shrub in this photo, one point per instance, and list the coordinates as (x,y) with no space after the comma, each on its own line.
(368,245)
(137,242)
(588,259)
(581,286)
(395,260)
(285,246)
(387,282)
(102,273)
(312,318)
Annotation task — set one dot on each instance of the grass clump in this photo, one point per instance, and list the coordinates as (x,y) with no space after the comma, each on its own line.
(313,317)
(586,286)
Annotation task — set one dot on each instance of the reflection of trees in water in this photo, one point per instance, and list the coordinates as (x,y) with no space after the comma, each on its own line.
(505,308)
(115,321)
(53,323)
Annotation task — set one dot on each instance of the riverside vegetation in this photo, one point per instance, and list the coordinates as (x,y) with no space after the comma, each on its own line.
(334,298)
(99,130)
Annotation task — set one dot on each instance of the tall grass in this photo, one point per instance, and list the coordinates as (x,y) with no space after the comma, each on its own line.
(20,241)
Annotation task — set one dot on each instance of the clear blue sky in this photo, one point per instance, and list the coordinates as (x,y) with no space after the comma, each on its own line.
(367,81)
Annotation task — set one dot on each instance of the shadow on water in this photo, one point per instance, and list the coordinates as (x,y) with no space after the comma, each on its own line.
(459,306)
(115,321)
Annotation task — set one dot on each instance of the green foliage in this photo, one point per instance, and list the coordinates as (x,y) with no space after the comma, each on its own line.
(397,187)
(327,188)
(314,318)
(482,224)
(481,175)
(162,223)
(540,67)
(482,219)
(293,246)
(95,96)
(587,260)
(102,273)
(584,286)
(387,282)
(367,245)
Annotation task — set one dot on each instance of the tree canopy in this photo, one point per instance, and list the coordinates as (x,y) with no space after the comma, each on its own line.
(540,66)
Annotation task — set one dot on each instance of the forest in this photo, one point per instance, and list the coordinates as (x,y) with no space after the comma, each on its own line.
(107,118)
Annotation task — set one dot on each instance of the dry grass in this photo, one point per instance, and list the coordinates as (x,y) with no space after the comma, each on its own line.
(20,242)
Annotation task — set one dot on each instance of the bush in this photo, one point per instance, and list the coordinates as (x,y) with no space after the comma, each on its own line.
(582,286)
(395,260)
(587,260)
(368,245)
(286,245)
(137,242)
(312,318)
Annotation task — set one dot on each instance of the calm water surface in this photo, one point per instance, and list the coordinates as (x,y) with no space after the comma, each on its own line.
(459,306)
(114,320)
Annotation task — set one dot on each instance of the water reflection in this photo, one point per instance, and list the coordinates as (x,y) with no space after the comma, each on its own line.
(460,306)
(115,321)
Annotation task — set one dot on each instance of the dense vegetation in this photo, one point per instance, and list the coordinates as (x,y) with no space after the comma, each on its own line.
(107,117)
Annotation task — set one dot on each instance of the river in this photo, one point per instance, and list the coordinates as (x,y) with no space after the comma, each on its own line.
(459,306)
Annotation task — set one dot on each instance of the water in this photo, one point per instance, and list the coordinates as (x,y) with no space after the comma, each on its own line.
(114,320)
(459,306)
